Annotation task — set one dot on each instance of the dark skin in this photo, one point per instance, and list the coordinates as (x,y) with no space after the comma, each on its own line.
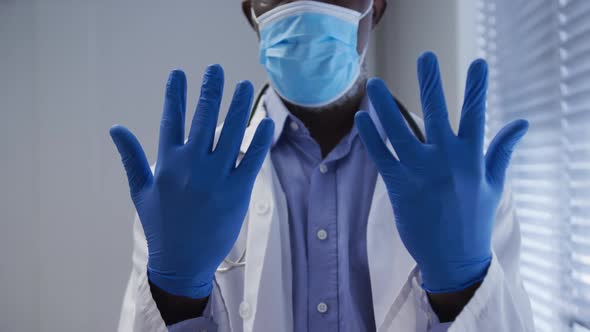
(327,128)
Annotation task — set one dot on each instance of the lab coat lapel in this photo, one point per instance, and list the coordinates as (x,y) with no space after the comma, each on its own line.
(389,261)
(267,302)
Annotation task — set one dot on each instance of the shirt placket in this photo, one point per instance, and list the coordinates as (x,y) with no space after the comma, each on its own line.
(322,249)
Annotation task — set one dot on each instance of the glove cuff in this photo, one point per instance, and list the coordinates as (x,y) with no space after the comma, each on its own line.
(455,277)
(194,288)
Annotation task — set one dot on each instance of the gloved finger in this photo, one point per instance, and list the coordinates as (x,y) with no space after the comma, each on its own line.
(473,117)
(257,151)
(379,153)
(172,124)
(501,148)
(434,107)
(202,132)
(402,139)
(134,160)
(235,122)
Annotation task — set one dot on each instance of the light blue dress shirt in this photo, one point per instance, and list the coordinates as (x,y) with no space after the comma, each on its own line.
(328,202)
(328,205)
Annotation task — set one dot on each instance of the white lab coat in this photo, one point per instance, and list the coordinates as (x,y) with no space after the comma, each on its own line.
(257,297)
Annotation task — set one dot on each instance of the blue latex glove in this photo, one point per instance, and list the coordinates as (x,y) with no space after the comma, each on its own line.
(444,193)
(193,206)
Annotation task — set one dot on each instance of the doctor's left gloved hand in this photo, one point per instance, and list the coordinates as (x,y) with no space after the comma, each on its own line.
(193,206)
(444,193)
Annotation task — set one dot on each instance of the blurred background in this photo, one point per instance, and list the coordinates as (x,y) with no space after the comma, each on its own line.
(71,69)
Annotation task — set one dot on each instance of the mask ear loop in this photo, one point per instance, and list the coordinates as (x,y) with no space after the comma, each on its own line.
(369,10)
(363,15)
(253,14)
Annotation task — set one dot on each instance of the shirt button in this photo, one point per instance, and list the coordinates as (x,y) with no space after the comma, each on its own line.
(322,234)
(262,207)
(244,310)
(322,307)
(323,168)
(294,126)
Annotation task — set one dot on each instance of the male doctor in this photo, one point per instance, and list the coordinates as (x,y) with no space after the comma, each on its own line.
(325,208)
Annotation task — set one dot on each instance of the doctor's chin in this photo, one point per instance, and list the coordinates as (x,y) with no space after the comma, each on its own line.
(301,165)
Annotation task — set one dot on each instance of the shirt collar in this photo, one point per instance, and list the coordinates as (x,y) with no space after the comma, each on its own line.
(278,112)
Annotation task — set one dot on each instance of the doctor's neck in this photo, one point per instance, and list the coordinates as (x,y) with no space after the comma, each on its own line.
(328,125)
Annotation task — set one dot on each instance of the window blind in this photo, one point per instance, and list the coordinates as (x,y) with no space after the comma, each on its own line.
(539,57)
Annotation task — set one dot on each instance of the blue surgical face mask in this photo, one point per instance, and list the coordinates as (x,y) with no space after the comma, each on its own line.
(309,51)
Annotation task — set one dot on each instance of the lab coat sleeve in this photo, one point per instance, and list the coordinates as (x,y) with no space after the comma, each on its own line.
(139,311)
(499,304)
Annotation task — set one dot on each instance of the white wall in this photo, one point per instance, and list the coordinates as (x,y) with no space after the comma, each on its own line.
(412,27)
(68,71)
(19,201)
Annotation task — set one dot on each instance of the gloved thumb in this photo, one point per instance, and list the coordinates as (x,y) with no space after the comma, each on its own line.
(133,158)
(501,148)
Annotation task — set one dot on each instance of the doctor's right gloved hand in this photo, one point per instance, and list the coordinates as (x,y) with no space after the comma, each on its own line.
(193,206)
(444,193)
